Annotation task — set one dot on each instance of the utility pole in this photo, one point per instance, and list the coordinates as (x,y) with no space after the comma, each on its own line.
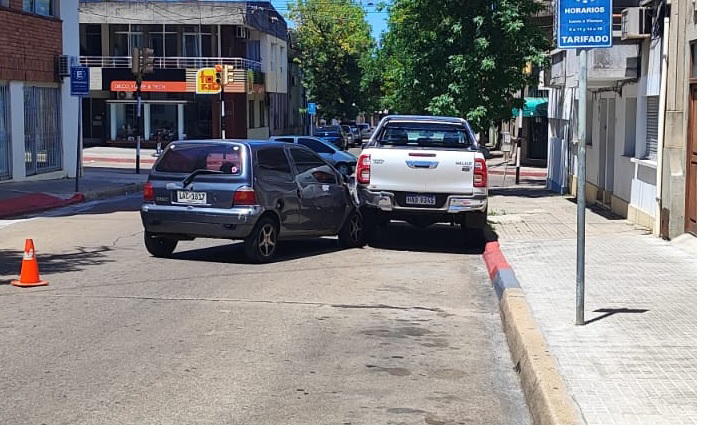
(581,182)
(223,76)
(141,63)
(519,137)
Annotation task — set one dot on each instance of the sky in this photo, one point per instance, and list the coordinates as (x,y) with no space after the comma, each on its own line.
(377,20)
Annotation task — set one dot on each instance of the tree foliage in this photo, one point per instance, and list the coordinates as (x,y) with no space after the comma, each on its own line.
(335,44)
(458,58)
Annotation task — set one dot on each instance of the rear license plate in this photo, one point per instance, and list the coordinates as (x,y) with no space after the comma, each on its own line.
(189,197)
(421,200)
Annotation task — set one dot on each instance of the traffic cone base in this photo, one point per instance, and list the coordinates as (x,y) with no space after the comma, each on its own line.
(29,275)
(17,283)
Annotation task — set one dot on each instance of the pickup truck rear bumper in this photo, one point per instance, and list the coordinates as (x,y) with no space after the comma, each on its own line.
(454,203)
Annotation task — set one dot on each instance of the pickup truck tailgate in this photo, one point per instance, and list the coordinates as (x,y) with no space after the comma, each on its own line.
(435,171)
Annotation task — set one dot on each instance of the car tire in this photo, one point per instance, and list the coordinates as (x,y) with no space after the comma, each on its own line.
(352,233)
(343,168)
(474,228)
(260,246)
(159,246)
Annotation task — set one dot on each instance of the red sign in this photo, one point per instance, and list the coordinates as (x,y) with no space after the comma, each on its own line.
(149,86)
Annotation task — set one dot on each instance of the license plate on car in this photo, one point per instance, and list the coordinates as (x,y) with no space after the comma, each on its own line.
(189,197)
(421,200)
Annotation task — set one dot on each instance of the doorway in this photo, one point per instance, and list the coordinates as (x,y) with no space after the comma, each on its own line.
(691,148)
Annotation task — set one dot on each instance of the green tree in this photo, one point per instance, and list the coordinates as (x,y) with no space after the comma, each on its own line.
(457,58)
(335,43)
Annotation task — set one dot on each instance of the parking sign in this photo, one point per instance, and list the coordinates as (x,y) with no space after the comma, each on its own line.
(80,81)
(311,108)
(584,24)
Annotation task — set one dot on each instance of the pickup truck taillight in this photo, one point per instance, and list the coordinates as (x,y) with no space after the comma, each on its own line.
(362,171)
(479,179)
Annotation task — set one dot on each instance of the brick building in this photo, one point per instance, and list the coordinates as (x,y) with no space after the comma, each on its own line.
(38,117)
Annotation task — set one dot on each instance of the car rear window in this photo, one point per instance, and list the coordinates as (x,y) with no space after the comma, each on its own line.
(186,158)
(413,134)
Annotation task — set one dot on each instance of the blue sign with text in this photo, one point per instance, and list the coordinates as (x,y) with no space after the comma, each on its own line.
(583,24)
(80,81)
(311,108)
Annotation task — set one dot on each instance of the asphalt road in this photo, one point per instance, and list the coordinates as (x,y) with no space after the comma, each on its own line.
(405,332)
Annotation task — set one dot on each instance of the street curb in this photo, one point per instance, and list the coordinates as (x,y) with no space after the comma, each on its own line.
(544,388)
(128,189)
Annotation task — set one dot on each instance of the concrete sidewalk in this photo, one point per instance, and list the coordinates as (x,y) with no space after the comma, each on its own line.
(634,362)
(21,198)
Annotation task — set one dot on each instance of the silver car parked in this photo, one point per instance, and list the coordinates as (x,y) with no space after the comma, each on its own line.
(256,191)
(343,161)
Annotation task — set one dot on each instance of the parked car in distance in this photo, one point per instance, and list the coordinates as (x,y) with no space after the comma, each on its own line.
(260,192)
(349,134)
(354,131)
(334,134)
(365,131)
(343,161)
(423,170)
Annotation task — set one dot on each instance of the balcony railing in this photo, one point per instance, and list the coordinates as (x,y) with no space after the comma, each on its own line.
(170,62)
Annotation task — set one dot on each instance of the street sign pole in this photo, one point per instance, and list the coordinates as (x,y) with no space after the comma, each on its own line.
(581,182)
(138,125)
(80,87)
(582,26)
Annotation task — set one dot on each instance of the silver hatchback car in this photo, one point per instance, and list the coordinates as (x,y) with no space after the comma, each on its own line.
(256,191)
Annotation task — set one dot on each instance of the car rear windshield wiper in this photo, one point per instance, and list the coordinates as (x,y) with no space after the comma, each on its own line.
(192,175)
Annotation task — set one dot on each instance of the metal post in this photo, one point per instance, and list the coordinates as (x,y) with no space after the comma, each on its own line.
(223,113)
(311,125)
(78,150)
(138,125)
(519,137)
(581,181)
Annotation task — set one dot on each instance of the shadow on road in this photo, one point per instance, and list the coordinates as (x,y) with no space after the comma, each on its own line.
(523,191)
(439,238)
(287,250)
(50,263)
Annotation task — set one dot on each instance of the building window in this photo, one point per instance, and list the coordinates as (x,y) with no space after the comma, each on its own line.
(5,3)
(262,113)
(42,134)
(92,40)
(253,50)
(251,115)
(653,103)
(39,7)
(630,124)
(5,150)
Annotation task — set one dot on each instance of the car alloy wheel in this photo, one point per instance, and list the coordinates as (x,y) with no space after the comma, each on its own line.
(267,240)
(352,234)
(342,168)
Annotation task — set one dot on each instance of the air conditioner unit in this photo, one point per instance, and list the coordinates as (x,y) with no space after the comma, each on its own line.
(635,23)
(63,66)
(125,95)
(242,32)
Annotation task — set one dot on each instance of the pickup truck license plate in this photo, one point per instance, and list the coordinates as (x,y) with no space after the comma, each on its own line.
(421,200)
(189,197)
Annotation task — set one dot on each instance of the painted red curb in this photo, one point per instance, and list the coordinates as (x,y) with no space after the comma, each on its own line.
(494,259)
(34,203)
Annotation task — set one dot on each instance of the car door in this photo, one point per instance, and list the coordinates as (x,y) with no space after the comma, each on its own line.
(321,192)
(275,184)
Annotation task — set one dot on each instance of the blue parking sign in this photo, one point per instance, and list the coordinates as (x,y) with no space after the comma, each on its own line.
(80,81)
(583,24)
(311,108)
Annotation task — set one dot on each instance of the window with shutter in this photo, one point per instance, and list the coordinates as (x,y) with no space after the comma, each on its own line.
(651,127)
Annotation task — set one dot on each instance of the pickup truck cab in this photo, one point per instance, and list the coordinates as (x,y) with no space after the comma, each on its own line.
(423,170)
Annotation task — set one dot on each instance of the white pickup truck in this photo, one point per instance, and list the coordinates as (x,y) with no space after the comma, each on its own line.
(423,170)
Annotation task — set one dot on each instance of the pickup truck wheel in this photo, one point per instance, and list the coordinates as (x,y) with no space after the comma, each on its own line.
(474,227)
(159,246)
(351,235)
(261,245)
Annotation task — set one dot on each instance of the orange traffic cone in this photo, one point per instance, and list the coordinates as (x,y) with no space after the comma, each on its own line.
(29,276)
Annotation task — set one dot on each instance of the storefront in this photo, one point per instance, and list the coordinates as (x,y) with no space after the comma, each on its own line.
(535,130)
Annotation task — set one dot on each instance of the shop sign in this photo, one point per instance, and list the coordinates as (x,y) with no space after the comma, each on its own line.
(149,86)
(206,82)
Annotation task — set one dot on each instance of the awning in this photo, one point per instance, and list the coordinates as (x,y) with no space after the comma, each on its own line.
(535,107)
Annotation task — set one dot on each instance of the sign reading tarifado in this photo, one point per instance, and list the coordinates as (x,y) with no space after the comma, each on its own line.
(584,24)
(206,82)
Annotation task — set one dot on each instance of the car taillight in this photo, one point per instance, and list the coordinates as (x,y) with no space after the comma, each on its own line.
(245,197)
(479,179)
(362,172)
(148,192)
